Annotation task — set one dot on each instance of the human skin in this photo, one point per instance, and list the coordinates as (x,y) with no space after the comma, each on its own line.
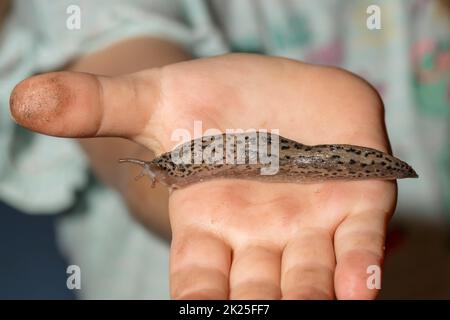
(233,238)
(122,58)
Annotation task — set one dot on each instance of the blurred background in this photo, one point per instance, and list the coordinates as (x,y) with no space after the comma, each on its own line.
(31,265)
(408,61)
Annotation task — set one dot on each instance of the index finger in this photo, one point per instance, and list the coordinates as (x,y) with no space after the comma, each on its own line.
(199,266)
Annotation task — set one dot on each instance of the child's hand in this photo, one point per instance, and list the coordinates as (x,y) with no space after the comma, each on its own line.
(236,238)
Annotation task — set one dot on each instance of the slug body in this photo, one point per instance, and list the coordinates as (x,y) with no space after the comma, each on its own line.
(216,157)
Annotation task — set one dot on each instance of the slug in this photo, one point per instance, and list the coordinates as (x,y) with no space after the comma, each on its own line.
(216,157)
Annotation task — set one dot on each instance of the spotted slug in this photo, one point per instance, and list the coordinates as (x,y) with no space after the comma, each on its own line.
(236,156)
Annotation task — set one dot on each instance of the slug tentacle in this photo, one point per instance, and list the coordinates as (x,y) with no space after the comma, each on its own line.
(247,155)
(146,171)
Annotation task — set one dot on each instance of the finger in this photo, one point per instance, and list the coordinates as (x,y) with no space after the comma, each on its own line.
(359,246)
(199,267)
(308,266)
(73,104)
(255,273)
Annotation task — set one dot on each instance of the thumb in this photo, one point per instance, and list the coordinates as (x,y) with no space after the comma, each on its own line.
(73,104)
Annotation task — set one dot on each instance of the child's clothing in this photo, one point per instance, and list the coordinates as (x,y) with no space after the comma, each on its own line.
(408,61)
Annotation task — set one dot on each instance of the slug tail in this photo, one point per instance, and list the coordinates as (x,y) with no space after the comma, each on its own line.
(409,173)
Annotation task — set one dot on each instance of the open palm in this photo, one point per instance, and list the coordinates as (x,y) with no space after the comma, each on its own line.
(236,238)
